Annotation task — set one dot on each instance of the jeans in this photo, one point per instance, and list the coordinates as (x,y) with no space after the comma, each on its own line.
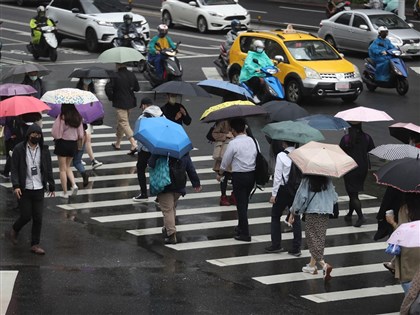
(77,160)
(157,61)
(243,183)
(141,165)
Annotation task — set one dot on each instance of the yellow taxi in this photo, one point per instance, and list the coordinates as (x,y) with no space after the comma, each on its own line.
(311,66)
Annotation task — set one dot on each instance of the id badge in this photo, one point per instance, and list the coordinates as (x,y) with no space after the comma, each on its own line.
(34,171)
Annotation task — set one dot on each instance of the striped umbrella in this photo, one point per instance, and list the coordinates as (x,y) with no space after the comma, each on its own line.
(393,152)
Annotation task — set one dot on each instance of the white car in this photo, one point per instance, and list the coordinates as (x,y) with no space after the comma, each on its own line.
(205,15)
(96,22)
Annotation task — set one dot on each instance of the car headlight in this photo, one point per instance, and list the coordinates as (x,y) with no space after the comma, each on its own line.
(104,23)
(395,41)
(311,73)
(216,14)
(356,72)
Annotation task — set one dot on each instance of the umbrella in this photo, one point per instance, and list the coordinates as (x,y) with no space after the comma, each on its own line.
(25,68)
(90,111)
(403,174)
(406,235)
(92,72)
(18,105)
(162,136)
(181,88)
(364,114)
(294,131)
(224,105)
(395,151)
(325,122)
(283,110)
(225,89)
(120,55)
(11,89)
(234,111)
(69,96)
(316,158)
(403,131)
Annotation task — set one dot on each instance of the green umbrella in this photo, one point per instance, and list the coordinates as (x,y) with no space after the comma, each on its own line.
(120,55)
(294,131)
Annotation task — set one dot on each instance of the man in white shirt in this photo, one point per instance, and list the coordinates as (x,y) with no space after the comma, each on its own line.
(241,154)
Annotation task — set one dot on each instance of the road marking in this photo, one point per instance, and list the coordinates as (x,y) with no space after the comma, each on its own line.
(7,282)
(298,9)
(211,73)
(354,294)
(256,11)
(416,69)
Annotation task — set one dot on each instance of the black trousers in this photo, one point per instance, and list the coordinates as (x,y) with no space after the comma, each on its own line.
(142,158)
(243,183)
(31,205)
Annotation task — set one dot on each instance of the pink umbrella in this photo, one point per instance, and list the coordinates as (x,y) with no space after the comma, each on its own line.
(402,131)
(406,235)
(363,114)
(12,89)
(19,105)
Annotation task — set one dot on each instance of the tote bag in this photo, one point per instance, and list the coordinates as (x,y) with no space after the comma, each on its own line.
(159,176)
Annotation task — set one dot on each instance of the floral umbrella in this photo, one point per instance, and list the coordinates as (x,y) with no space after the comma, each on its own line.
(69,96)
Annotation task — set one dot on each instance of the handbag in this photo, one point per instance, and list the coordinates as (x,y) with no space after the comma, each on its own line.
(159,176)
(393,249)
(304,210)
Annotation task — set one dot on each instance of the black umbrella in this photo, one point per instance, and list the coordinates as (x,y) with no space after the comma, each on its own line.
(25,68)
(403,175)
(227,90)
(181,88)
(403,131)
(283,110)
(92,72)
(234,111)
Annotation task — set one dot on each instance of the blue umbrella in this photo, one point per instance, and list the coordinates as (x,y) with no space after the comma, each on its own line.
(325,122)
(162,136)
(225,89)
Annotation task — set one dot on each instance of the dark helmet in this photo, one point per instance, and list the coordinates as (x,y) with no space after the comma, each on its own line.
(235,25)
(162,30)
(40,10)
(128,19)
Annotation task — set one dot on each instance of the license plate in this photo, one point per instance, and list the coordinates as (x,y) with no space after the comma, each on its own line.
(342,86)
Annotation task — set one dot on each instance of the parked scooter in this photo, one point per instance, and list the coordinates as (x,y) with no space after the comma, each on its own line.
(272,84)
(136,42)
(48,44)
(398,74)
(222,62)
(333,8)
(172,69)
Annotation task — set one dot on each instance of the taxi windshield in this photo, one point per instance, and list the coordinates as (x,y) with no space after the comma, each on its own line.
(308,50)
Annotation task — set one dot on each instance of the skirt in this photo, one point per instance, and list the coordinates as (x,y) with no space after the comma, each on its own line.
(67,148)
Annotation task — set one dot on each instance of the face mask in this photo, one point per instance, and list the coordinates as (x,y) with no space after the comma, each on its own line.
(128,22)
(260,50)
(87,81)
(172,99)
(33,77)
(34,140)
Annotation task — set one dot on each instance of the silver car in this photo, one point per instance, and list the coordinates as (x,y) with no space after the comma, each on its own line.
(357,29)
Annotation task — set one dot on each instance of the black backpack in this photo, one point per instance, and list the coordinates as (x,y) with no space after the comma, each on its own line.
(178,175)
(295,177)
(262,175)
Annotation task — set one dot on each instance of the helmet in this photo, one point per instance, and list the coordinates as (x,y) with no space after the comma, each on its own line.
(235,25)
(40,10)
(382,29)
(128,19)
(162,30)
(258,44)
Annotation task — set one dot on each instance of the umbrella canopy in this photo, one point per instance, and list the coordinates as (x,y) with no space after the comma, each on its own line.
(403,131)
(225,89)
(403,174)
(163,136)
(395,151)
(316,158)
(69,96)
(224,105)
(92,72)
(18,105)
(294,131)
(363,114)
(90,112)
(25,68)
(325,122)
(406,235)
(284,110)
(234,111)
(181,88)
(11,89)
(120,55)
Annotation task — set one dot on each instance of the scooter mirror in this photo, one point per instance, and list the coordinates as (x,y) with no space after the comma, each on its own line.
(279,58)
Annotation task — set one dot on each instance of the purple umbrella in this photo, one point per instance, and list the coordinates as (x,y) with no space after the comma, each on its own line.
(12,89)
(90,112)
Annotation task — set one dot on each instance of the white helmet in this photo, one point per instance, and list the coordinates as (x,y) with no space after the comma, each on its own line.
(382,29)
(40,10)
(258,44)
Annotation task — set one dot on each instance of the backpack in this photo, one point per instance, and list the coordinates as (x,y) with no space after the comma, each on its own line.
(295,177)
(209,134)
(261,168)
(177,173)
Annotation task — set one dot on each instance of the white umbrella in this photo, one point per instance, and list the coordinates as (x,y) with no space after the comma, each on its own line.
(392,152)
(363,114)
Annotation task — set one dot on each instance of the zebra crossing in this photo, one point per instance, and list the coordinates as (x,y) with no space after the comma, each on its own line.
(205,232)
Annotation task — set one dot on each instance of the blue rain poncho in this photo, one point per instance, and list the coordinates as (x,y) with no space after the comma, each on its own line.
(376,50)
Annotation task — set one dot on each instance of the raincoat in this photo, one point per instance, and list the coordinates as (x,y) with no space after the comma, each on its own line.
(34,23)
(390,5)
(249,68)
(376,49)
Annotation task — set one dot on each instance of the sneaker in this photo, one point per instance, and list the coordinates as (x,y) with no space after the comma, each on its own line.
(141,198)
(326,271)
(95,164)
(308,269)
(274,249)
(37,250)
(390,267)
(74,190)
(156,200)
(171,239)
(83,163)
(85,177)
(360,222)
(224,201)
(296,253)
(65,195)
(243,238)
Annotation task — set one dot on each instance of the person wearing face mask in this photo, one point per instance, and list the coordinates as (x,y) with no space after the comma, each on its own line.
(158,42)
(31,176)
(251,73)
(125,29)
(32,79)
(377,52)
(176,111)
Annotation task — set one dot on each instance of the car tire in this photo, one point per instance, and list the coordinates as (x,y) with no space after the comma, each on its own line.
(330,40)
(20,2)
(402,86)
(349,98)
(293,91)
(167,19)
(91,40)
(202,25)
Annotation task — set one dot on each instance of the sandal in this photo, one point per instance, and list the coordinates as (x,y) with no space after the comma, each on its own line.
(132,151)
(115,147)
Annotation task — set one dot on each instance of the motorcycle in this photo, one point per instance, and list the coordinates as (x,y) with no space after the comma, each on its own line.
(416,9)
(47,46)
(373,4)
(136,42)
(272,84)
(172,68)
(337,7)
(222,62)
(398,74)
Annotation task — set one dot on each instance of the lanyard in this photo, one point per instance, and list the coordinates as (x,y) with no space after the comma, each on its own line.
(33,157)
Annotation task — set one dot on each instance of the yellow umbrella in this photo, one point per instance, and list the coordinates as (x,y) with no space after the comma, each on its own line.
(224,105)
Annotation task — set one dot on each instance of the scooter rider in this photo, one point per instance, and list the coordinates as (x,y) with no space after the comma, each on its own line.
(377,52)
(125,29)
(232,34)
(37,22)
(158,42)
(251,73)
